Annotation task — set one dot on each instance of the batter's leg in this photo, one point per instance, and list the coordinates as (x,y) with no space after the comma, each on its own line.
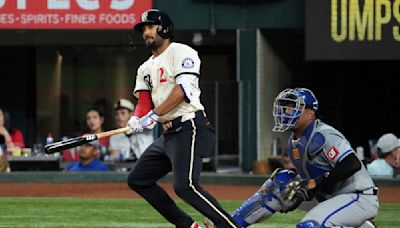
(345,210)
(185,148)
(150,167)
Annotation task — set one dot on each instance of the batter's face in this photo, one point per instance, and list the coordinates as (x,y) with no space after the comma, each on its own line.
(151,37)
(122,117)
(94,121)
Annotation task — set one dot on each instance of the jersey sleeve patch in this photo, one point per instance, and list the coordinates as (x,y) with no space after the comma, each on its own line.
(332,153)
(187,63)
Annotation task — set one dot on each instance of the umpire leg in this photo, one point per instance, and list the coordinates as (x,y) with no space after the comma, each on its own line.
(151,166)
(185,146)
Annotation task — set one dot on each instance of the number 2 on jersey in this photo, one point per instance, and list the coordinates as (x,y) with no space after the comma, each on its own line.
(163,78)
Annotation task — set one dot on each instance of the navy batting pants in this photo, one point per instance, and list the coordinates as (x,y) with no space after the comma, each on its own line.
(180,150)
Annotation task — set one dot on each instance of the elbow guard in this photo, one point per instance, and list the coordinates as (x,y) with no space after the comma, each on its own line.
(189,84)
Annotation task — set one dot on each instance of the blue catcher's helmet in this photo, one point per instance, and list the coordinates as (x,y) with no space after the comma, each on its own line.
(289,105)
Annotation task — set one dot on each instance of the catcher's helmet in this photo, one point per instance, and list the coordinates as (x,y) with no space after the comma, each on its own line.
(295,100)
(156,17)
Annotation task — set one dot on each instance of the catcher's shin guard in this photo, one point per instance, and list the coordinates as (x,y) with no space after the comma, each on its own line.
(256,209)
(266,201)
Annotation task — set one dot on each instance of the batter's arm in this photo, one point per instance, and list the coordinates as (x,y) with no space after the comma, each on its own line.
(144,104)
(148,121)
(176,97)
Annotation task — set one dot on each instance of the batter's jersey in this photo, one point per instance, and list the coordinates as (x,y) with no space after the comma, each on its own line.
(319,150)
(159,73)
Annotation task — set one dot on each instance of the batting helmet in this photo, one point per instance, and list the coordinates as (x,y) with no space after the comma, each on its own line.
(156,17)
(295,100)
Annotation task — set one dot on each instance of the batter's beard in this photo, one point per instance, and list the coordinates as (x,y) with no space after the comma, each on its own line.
(155,45)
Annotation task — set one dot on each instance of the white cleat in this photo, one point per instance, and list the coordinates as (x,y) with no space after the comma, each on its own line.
(368,224)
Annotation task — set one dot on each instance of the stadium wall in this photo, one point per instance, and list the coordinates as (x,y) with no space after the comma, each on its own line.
(113,185)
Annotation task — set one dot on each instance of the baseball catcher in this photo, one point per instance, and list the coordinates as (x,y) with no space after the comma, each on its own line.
(332,184)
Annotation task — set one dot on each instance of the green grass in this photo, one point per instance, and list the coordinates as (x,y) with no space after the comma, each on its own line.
(78,212)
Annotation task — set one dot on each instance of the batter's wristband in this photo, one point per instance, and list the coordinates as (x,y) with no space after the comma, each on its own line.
(154,116)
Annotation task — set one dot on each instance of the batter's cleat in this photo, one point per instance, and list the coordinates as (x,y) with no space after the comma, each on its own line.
(368,224)
(208,223)
(195,225)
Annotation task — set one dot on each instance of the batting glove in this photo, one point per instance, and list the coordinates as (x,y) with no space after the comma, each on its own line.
(149,120)
(134,124)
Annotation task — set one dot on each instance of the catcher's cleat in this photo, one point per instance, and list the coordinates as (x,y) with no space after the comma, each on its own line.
(208,223)
(368,224)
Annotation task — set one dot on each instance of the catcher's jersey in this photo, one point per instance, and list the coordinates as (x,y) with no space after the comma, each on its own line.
(319,150)
(158,75)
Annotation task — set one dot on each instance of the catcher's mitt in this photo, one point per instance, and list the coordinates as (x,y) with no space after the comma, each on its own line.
(295,193)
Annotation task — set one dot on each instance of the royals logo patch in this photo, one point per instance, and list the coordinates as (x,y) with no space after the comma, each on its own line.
(332,153)
(296,153)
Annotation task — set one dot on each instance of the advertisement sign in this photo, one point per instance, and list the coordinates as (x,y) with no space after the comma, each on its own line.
(352,29)
(71,14)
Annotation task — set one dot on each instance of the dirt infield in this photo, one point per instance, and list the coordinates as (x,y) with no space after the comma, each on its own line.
(120,190)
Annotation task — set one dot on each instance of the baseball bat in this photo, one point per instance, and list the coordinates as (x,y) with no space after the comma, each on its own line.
(77,141)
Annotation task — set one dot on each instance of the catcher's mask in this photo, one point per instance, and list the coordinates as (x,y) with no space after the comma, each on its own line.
(289,105)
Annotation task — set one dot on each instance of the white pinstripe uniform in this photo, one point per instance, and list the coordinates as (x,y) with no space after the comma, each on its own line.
(181,148)
(159,75)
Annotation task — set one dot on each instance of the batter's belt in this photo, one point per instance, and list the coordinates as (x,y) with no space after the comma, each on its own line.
(178,121)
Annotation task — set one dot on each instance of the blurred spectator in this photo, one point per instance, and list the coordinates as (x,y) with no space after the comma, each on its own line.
(88,160)
(396,172)
(360,153)
(286,162)
(125,146)
(388,146)
(4,166)
(9,137)
(94,122)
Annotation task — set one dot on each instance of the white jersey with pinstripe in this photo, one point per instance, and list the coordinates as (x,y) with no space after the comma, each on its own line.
(158,75)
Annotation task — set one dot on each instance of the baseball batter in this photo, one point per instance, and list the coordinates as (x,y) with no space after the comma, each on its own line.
(331,184)
(167,88)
